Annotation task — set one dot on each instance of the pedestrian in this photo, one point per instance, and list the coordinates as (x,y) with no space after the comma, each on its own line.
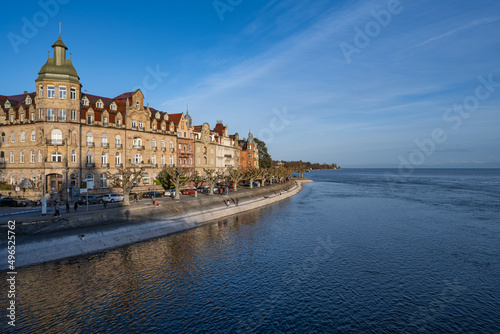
(227,203)
(105,203)
(135,198)
(67,206)
(76,206)
(155,202)
(237,201)
(56,210)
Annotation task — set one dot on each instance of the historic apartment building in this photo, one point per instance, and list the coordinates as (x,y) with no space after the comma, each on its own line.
(205,148)
(249,154)
(58,136)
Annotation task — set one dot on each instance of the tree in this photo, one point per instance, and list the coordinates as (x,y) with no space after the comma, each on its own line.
(212,176)
(197,182)
(177,176)
(126,178)
(262,175)
(251,173)
(236,175)
(265,160)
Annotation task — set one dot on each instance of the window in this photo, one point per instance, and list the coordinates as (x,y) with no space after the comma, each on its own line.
(73,114)
(7,105)
(162,143)
(12,137)
(33,135)
(137,142)
(180,146)
(11,157)
(12,118)
(50,114)
(56,157)
(21,117)
(40,156)
(141,125)
(171,160)
(171,145)
(153,143)
(73,94)
(74,180)
(89,177)
(13,179)
(62,115)
(62,92)
(89,119)
(179,161)
(134,124)
(40,113)
(22,157)
(146,179)
(40,91)
(32,116)
(118,159)
(99,104)
(153,159)
(3,137)
(104,140)
(137,158)
(118,141)
(137,105)
(185,134)
(32,157)
(162,160)
(51,92)
(73,156)
(90,158)
(90,139)
(85,102)
(113,106)
(118,123)
(56,137)
(103,181)
(28,100)
(23,136)
(104,158)
(105,121)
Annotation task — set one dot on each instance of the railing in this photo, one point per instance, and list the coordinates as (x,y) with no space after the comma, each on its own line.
(90,164)
(118,145)
(90,144)
(172,150)
(138,147)
(163,149)
(104,145)
(134,127)
(141,128)
(154,148)
(105,165)
(56,142)
(120,165)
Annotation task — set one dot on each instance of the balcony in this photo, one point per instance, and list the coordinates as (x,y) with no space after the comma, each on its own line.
(120,165)
(90,165)
(154,148)
(163,149)
(56,142)
(172,150)
(118,126)
(118,145)
(134,127)
(138,147)
(105,145)
(105,165)
(90,144)
(141,128)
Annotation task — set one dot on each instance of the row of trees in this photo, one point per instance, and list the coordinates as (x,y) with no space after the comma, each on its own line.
(172,177)
(307,164)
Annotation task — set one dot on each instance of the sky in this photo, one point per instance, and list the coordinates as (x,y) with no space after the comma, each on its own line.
(358,83)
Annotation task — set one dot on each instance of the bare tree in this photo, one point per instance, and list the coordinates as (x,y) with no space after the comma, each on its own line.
(197,182)
(177,176)
(262,175)
(251,174)
(236,175)
(126,178)
(212,177)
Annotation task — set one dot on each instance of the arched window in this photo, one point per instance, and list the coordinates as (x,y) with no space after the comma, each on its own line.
(104,140)
(2,156)
(118,141)
(12,137)
(137,143)
(104,158)
(118,158)
(23,136)
(56,137)
(137,105)
(90,139)
(56,157)
(3,137)
(153,159)
(73,156)
(32,157)
(13,179)
(137,158)
(171,145)
(33,135)
(162,143)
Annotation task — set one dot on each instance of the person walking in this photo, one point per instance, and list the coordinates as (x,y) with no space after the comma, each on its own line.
(105,204)
(76,206)
(56,210)
(237,201)
(67,206)
(135,198)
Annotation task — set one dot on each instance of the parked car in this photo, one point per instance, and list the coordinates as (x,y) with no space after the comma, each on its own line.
(112,198)
(254,183)
(170,192)
(152,194)
(188,191)
(9,201)
(93,199)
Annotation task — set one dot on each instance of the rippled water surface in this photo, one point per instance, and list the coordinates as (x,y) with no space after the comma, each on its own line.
(358,251)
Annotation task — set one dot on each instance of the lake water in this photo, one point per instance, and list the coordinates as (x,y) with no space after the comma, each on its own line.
(358,251)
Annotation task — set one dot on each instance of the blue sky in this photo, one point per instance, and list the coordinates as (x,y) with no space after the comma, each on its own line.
(359,83)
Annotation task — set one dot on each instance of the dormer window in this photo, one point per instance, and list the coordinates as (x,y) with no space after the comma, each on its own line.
(7,105)
(85,102)
(113,106)
(137,105)
(28,100)
(157,116)
(99,104)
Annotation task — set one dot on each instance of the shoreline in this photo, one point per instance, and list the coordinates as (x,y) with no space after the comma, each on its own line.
(81,237)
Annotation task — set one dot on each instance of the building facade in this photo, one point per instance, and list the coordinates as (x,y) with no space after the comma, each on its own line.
(227,153)
(205,148)
(249,153)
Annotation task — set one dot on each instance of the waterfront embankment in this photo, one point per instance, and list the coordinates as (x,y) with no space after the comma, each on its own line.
(48,240)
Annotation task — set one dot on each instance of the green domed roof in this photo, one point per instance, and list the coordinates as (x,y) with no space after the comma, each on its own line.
(59,68)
